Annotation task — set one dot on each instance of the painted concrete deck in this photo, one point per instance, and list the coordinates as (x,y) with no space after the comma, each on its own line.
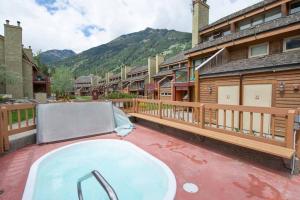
(218,175)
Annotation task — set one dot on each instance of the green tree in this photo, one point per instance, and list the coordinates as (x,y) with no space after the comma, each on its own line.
(9,77)
(42,67)
(62,82)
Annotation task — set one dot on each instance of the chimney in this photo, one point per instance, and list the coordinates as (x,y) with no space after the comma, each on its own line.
(200,19)
(7,22)
(18,22)
(151,68)
(159,59)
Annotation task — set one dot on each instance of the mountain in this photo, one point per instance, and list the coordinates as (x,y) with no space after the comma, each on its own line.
(52,56)
(132,49)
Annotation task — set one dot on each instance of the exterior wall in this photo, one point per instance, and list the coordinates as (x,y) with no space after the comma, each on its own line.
(290,98)
(13,57)
(165,90)
(27,79)
(151,68)
(27,75)
(2,86)
(200,19)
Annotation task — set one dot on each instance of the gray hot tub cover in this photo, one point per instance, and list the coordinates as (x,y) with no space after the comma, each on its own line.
(61,121)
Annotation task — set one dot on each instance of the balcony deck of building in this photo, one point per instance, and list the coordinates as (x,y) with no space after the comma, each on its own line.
(220,171)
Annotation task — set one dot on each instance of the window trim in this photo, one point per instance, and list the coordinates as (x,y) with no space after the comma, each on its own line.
(256,45)
(284,43)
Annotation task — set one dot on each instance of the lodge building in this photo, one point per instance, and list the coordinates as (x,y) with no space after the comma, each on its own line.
(253,53)
(19,60)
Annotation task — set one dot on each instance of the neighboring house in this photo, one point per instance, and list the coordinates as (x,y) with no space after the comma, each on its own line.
(19,60)
(251,58)
(137,78)
(84,84)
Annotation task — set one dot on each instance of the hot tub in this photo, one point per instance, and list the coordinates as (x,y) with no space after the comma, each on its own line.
(133,173)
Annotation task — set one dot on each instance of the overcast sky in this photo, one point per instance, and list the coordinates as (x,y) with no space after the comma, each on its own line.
(82,24)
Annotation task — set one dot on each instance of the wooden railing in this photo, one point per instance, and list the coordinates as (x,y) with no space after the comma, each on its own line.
(15,118)
(127,105)
(269,125)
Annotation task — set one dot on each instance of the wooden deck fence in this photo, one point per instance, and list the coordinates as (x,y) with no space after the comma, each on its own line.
(255,123)
(15,118)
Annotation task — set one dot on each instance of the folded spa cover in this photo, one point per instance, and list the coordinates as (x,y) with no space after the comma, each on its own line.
(61,121)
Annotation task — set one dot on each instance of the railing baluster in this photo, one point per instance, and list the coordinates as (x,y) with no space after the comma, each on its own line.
(19,118)
(261,124)
(241,122)
(251,123)
(232,120)
(33,115)
(273,126)
(188,114)
(217,118)
(224,119)
(26,117)
(210,117)
(10,119)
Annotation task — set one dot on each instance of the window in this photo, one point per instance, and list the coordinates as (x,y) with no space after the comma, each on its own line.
(259,50)
(257,20)
(165,94)
(226,32)
(292,43)
(273,14)
(295,7)
(245,24)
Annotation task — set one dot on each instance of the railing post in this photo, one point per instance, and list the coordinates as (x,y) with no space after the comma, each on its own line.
(1,134)
(290,129)
(136,105)
(298,144)
(4,129)
(202,116)
(160,109)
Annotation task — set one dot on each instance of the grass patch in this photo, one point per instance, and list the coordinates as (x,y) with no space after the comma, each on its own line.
(83,98)
(22,115)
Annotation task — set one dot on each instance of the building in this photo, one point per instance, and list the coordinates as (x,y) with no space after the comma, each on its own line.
(18,59)
(251,58)
(84,84)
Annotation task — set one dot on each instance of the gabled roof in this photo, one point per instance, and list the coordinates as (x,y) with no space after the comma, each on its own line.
(175,59)
(265,27)
(280,61)
(238,13)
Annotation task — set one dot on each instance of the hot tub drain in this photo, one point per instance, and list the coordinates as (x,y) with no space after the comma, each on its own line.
(190,188)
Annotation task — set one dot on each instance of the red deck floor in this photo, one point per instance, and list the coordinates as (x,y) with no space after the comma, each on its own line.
(218,176)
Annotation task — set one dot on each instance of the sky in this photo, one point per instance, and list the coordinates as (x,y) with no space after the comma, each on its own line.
(83,24)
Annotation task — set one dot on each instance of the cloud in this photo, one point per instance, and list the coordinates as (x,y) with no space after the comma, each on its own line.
(82,24)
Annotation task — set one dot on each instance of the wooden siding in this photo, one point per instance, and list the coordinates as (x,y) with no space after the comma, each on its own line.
(290,98)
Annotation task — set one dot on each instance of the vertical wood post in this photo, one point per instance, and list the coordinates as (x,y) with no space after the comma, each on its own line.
(290,129)
(136,105)
(160,109)
(1,133)
(284,9)
(298,144)
(4,129)
(202,116)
